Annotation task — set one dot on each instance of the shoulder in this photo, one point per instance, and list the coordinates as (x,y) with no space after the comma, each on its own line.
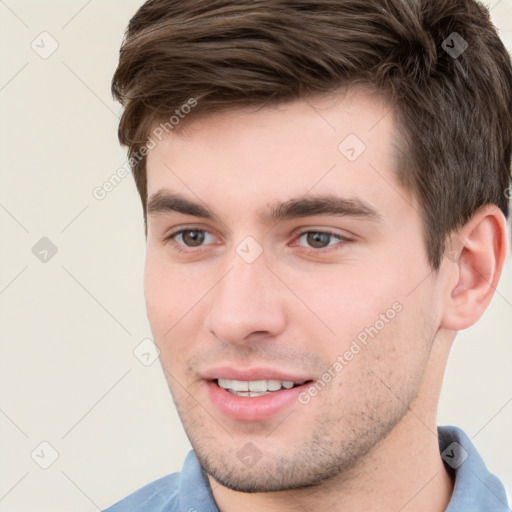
(186,491)
(160,495)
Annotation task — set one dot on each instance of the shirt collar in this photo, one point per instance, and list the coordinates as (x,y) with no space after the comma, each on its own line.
(475,489)
(194,491)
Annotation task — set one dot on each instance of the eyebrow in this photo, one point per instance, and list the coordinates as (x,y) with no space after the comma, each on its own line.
(305,206)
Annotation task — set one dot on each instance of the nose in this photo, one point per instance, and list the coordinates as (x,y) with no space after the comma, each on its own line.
(247,304)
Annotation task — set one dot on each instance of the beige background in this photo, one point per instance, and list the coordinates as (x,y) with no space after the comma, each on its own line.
(69,326)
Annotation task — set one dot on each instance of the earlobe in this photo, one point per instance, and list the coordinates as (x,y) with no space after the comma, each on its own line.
(474,260)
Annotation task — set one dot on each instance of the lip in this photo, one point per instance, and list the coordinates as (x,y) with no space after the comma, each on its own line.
(259,373)
(259,408)
(252,409)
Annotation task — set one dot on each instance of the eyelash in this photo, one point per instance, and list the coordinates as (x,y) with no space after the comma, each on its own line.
(179,247)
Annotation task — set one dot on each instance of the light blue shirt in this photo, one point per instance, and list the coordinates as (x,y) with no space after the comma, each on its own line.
(475,490)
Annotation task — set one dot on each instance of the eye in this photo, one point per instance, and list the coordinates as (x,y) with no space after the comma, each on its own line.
(190,237)
(313,240)
(320,239)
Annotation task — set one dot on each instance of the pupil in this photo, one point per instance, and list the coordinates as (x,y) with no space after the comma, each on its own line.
(193,237)
(318,240)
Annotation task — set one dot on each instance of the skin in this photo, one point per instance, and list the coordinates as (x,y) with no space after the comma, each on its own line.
(369,436)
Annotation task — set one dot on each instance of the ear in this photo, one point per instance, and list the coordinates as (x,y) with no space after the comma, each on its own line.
(474,259)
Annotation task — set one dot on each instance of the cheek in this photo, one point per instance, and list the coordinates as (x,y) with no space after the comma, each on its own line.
(157,298)
(343,304)
(383,366)
(373,324)
(175,301)
(164,294)
(164,307)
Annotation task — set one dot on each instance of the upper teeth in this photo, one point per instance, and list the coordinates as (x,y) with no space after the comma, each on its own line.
(256,385)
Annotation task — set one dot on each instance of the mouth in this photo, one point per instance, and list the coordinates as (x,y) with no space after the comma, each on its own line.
(256,388)
(254,398)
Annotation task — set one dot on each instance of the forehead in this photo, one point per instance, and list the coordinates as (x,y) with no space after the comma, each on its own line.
(341,144)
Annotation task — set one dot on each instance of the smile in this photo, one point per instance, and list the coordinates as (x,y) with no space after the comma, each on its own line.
(255,388)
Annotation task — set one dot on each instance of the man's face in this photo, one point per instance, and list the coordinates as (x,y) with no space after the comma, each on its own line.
(340,302)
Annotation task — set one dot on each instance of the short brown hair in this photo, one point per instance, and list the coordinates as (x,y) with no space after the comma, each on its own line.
(453,103)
